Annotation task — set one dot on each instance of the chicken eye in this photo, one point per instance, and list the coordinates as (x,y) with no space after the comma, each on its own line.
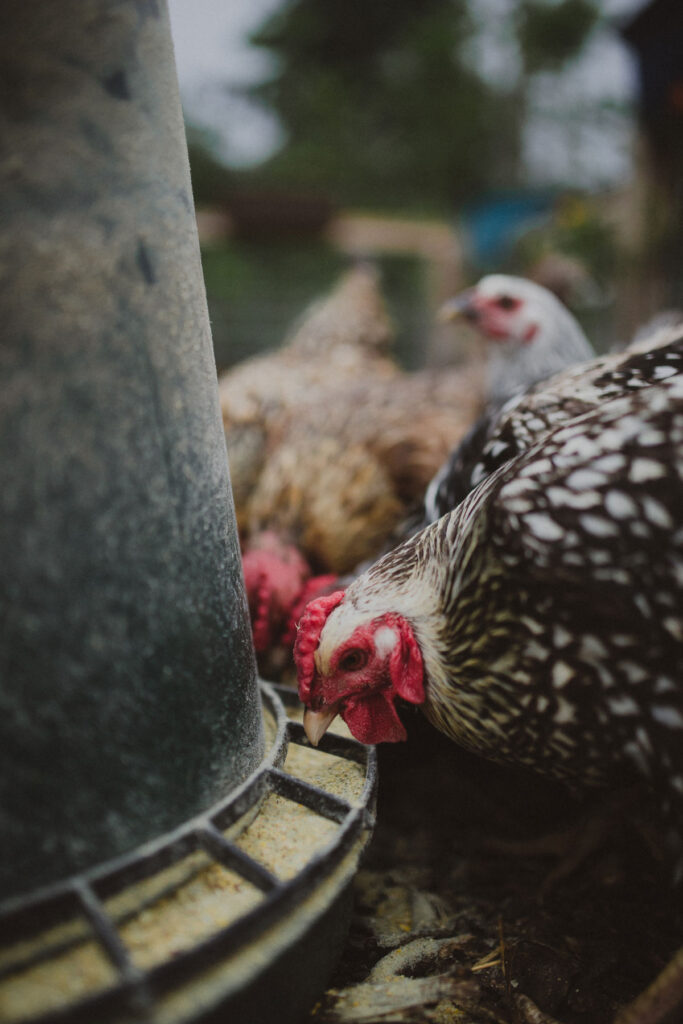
(506,302)
(353,660)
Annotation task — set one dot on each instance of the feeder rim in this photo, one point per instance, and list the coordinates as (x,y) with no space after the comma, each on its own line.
(83,894)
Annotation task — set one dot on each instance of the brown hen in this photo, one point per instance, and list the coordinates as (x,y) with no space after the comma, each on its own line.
(340,339)
(352,463)
(330,443)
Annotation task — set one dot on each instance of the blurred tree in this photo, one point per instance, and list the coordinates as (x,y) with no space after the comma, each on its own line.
(381,104)
(549,34)
(211,180)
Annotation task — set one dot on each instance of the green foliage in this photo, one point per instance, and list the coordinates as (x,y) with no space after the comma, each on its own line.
(381,104)
(551,33)
(380,107)
(583,232)
(255,290)
(344,35)
(211,180)
(577,229)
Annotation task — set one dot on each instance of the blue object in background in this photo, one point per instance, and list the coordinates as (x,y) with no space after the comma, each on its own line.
(493,223)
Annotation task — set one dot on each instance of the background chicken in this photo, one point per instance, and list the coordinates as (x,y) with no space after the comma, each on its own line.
(342,477)
(344,467)
(350,463)
(532,333)
(342,338)
(330,442)
(541,622)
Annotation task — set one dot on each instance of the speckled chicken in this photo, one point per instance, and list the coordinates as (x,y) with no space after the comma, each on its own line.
(540,622)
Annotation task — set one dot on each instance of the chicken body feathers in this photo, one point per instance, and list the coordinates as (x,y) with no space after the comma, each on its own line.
(505,432)
(558,640)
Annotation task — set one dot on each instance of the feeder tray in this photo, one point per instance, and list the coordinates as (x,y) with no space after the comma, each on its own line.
(243,909)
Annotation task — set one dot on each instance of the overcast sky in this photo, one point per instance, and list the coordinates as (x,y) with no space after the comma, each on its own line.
(212,53)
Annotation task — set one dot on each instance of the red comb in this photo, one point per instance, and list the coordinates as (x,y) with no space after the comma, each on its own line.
(316,586)
(273,578)
(308,637)
(260,593)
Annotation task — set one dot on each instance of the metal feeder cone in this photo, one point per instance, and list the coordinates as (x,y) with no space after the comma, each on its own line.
(150,790)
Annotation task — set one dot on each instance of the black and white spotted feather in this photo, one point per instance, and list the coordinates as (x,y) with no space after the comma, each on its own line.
(548,606)
(503,433)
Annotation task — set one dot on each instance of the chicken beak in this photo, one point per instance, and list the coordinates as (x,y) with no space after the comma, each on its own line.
(316,723)
(460,305)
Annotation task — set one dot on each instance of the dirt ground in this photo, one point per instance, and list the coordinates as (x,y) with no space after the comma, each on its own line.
(451,926)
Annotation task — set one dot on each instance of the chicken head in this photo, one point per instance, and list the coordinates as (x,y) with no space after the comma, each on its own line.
(356,669)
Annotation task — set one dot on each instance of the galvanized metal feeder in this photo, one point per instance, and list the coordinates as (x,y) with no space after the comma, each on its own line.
(170,844)
(242,909)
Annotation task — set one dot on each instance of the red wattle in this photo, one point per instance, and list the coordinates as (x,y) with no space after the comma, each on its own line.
(274,575)
(374,719)
(260,615)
